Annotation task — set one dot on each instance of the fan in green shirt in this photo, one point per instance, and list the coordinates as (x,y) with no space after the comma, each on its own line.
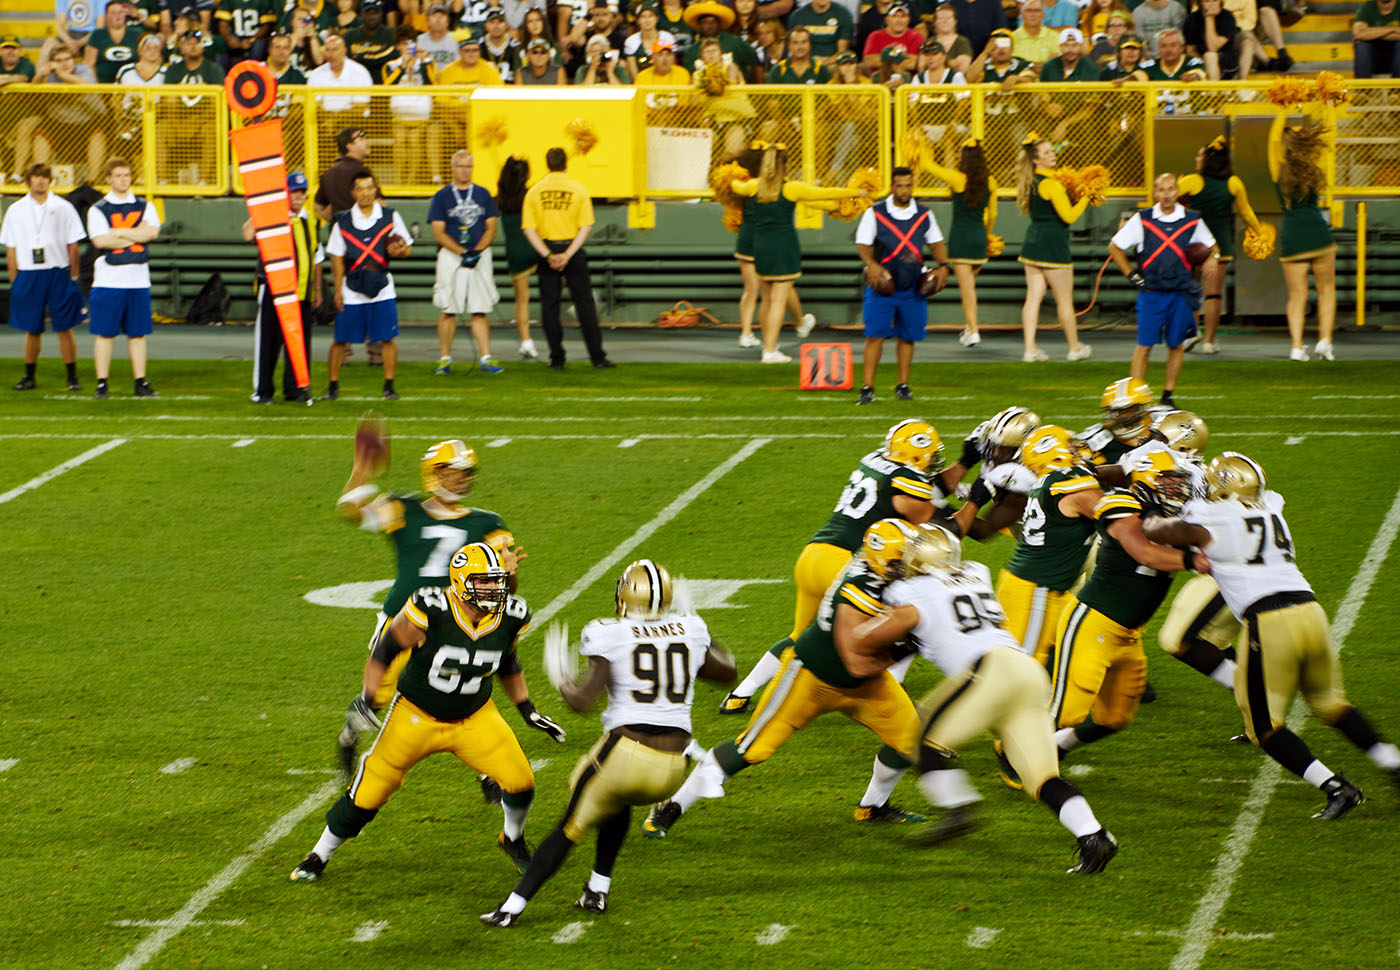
(113,45)
(828,24)
(244,26)
(372,43)
(798,67)
(15,68)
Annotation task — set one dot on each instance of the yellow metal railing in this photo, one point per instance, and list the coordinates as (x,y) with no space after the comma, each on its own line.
(668,139)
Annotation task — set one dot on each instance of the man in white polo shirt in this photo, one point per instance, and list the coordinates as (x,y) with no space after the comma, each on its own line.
(41,233)
(121,224)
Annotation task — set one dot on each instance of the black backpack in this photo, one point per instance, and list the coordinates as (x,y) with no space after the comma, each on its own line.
(83,198)
(210,306)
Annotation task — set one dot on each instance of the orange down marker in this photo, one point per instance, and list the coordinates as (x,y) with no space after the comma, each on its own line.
(251,90)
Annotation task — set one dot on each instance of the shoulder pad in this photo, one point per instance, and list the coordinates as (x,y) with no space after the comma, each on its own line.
(1096,437)
(1116,504)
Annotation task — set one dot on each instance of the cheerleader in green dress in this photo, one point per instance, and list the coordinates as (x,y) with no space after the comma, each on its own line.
(777,256)
(974,214)
(756,292)
(520,255)
(1304,241)
(1216,192)
(1045,250)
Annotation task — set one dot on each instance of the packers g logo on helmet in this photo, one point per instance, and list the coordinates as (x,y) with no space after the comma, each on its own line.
(643,590)
(1231,476)
(1127,407)
(1158,480)
(476,576)
(1046,449)
(1008,430)
(883,547)
(915,443)
(448,470)
(1182,431)
(935,548)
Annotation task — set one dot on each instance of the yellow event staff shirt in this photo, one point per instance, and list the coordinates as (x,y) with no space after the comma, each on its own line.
(557,207)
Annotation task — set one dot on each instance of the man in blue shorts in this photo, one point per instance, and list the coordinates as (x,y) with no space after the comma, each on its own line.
(121,224)
(891,238)
(40,234)
(363,240)
(1169,296)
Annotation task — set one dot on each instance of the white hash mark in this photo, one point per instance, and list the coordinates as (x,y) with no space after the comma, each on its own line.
(179,765)
(368,930)
(981,937)
(571,932)
(774,933)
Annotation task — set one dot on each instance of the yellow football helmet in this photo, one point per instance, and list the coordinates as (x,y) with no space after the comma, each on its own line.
(1047,449)
(1127,410)
(643,590)
(1007,431)
(936,548)
(1232,476)
(476,577)
(915,443)
(448,470)
(1182,431)
(1158,480)
(884,545)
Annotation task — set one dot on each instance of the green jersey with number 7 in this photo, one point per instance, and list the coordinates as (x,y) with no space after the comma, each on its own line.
(425,539)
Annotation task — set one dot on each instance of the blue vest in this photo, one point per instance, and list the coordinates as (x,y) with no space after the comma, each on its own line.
(899,244)
(124,215)
(1163,256)
(366,252)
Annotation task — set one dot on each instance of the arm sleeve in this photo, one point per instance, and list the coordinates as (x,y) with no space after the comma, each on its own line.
(335,242)
(1241,196)
(1276,146)
(745,187)
(401,229)
(802,192)
(934,234)
(1053,192)
(75,226)
(1190,184)
(585,211)
(956,180)
(96,222)
(991,213)
(1129,238)
(529,212)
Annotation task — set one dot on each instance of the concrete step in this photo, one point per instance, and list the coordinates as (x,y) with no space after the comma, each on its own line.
(1292,37)
(36,30)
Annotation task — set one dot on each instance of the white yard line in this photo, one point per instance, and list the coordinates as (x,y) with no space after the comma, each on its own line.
(151,924)
(7,763)
(57,470)
(170,928)
(1201,930)
(875,419)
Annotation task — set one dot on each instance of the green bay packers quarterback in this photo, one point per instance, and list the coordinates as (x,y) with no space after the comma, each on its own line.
(648,658)
(946,609)
(425,532)
(457,640)
(900,479)
(1239,525)
(827,669)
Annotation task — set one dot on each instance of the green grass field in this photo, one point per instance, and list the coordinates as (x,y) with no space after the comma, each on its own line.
(167,730)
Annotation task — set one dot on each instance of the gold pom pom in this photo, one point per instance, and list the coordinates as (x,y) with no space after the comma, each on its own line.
(733,218)
(849,209)
(725,176)
(713,80)
(580,131)
(492,132)
(1069,178)
(916,150)
(1093,183)
(995,245)
(1290,92)
(1260,245)
(1331,88)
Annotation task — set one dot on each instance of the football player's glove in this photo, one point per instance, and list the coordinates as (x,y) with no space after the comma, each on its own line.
(980,494)
(971,450)
(560,661)
(1136,279)
(538,721)
(470,257)
(360,716)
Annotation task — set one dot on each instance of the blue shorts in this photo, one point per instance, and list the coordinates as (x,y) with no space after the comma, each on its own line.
(903,314)
(1164,317)
(376,321)
(112,312)
(36,289)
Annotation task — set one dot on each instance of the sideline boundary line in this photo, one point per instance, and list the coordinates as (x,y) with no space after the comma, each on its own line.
(170,928)
(1201,930)
(57,470)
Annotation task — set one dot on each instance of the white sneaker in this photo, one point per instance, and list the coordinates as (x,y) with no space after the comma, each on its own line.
(1083,353)
(527,350)
(1323,349)
(776,357)
(969,339)
(1035,357)
(808,324)
(749,340)
(1189,344)
(1208,348)
(1297,353)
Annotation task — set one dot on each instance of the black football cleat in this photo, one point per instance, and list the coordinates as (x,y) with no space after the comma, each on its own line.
(25,384)
(1094,852)
(499,917)
(518,851)
(946,824)
(734,704)
(490,790)
(593,902)
(902,392)
(309,869)
(866,396)
(661,819)
(886,813)
(1342,797)
(1149,693)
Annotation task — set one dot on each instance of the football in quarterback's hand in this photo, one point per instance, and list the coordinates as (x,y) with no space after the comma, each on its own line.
(372,442)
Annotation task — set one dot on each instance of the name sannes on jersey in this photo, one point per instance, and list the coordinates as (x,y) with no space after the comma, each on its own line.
(653,664)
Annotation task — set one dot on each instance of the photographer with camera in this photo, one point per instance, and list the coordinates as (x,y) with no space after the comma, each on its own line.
(601,65)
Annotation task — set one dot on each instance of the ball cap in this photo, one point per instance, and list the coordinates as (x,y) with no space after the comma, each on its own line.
(1071,34)
(9,40)
(296,182)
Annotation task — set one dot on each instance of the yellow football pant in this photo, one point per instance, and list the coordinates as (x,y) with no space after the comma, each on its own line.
(618,772)
(1198,612)
(795,696)
(1098,665)
(1290,650)
(483,742)
(1032,613)
(817,568)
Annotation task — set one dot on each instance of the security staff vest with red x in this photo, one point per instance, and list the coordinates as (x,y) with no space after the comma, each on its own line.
(124,215)
(366,250)
(1162,259)
(899,243)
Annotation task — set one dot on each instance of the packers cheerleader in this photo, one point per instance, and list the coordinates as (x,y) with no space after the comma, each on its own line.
(754,288)
(1217,193)
(777,255)
(1045,250)
(1304,242)
(974,214)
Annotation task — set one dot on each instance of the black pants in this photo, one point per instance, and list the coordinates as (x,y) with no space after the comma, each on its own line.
(575,273)
(270,346)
